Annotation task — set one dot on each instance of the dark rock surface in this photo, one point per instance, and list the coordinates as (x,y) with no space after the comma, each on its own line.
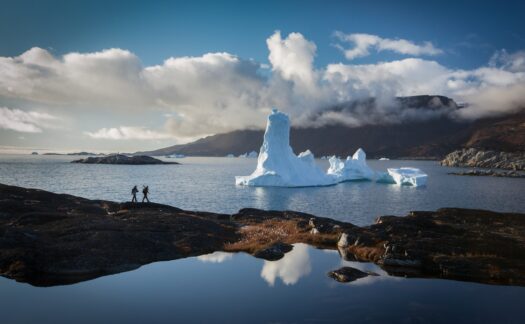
(122,159)
(485,159)
(50,239)
(349,274)
(274,252)
(490,173)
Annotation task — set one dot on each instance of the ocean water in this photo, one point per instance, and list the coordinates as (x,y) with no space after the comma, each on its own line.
(237,288)
(208,184)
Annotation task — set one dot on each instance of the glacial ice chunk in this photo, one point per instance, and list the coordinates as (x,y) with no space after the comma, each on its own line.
(408,176)
(251,155)
(353,168)
(277,165)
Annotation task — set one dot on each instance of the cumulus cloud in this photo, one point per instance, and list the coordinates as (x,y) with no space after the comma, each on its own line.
(128,133)
(25,121)
(364,42)
(219,92)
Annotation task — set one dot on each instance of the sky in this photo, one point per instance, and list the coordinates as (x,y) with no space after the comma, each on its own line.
(135,75)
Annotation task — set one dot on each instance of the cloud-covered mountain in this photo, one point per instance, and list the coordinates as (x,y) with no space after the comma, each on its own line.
(431,137)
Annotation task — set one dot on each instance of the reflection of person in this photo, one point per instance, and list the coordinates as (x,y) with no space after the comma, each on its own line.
(145,192)
(134,193)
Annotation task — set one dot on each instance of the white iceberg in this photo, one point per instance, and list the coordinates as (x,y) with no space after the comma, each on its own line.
(353,168)
(277,165)
(176,156)
(230,155)
(251,155)
(384,159)
(408,176)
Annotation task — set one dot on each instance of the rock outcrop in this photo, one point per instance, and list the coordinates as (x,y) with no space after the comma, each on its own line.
(490,173)
(51,239)
(485,159)
(349,274)
(122,159)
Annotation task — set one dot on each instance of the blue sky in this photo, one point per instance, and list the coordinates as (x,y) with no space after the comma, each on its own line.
(469,31)
(135,75)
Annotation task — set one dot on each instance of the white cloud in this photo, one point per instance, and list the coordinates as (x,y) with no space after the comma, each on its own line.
(25,121)
(219,92)
(363,42)
(128,133)
(514,62)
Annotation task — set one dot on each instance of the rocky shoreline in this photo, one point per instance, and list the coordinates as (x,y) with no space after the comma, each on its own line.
(490,173)
(485,159)
(50,239)
(122,159)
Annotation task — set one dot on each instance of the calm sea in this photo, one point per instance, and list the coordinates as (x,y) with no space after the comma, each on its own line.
(239,288)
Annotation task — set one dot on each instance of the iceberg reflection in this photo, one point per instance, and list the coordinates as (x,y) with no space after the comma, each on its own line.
(294,265)
(215,257)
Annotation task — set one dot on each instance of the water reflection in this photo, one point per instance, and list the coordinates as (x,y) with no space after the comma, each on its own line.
(294,265)
(215,257)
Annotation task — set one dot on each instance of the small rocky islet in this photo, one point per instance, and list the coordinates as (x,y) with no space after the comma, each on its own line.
(51,239)
(122,159)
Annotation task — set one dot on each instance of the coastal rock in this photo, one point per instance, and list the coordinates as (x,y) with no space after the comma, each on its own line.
(55,239)
(349,274)
(122,159)
(274,252)
(485,159)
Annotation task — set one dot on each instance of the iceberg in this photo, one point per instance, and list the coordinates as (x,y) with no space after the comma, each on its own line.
(408,176)
(230,155)
(353,168)
(384,159)
(251,155)
(277,165)
(176,156)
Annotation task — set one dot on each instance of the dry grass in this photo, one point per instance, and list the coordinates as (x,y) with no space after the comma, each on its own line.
(257,236)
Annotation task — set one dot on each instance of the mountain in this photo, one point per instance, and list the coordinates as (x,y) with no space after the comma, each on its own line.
(429,139)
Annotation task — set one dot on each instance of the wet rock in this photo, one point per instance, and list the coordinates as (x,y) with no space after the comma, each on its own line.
(349,274)
(274,252)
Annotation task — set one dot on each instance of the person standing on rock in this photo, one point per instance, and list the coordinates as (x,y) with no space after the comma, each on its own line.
(145,191)
(134,193)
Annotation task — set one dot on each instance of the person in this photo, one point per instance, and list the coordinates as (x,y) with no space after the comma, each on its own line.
(134,193)
(145,191)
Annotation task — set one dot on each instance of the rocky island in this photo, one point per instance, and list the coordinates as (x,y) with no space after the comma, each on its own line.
(485,159)
(122,159)
(50,239)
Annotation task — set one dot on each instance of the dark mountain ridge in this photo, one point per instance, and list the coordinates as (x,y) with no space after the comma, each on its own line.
(426,138)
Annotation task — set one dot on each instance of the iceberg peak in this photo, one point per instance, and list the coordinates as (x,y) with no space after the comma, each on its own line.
(277,164)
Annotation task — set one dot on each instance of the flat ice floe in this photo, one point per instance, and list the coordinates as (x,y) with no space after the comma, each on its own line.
(408,176)
(278,166)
